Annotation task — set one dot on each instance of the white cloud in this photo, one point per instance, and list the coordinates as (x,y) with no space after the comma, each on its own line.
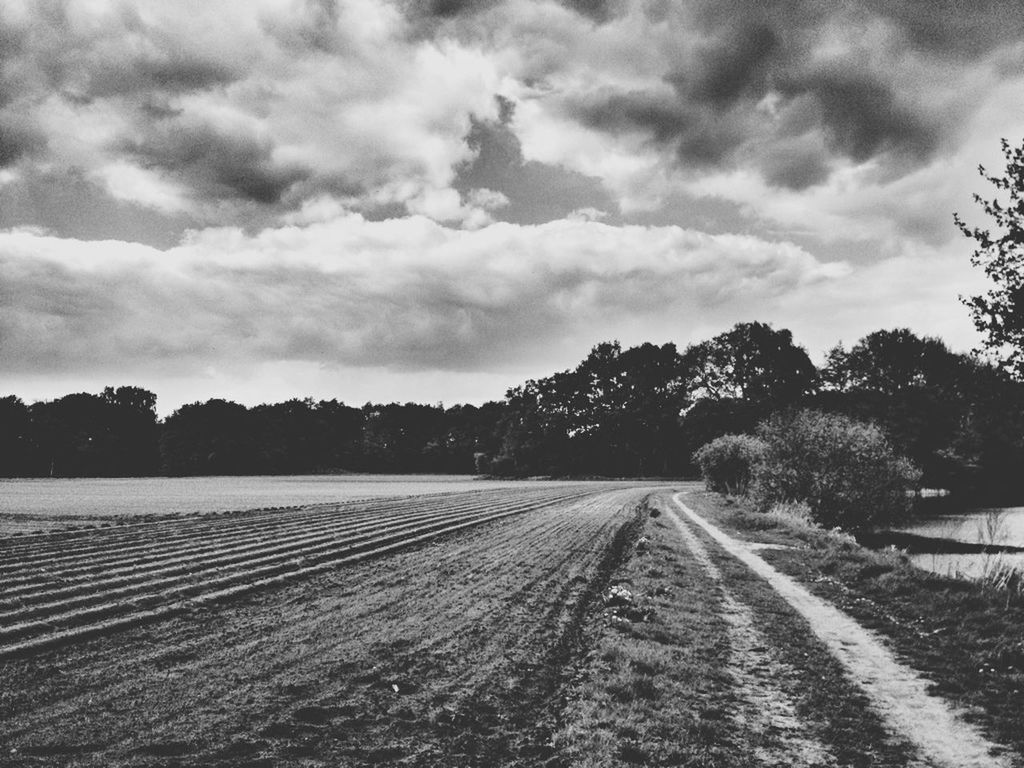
(143,186)
(378,304)
(402,293)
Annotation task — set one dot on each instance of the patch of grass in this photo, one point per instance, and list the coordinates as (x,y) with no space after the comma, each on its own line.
(654,692)
(968,638)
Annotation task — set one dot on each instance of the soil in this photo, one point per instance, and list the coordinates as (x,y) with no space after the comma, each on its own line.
(448,654)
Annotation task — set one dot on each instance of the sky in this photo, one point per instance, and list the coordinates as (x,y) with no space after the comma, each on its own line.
(435,200)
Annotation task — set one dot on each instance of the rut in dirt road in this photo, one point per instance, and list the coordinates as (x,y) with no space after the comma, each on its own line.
(901,696)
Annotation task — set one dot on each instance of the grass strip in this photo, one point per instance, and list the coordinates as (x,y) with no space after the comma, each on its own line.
(653,689)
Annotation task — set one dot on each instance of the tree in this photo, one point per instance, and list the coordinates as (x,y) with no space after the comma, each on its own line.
(913,386)
(17,439)
(211,438)
(401,438)
(890,362)
(739,378)
(999,314)
(133,434)
(751,361)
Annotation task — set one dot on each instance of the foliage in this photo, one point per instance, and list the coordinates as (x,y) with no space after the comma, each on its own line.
(16,444)
(728,462)
(217,437)
(615,414)
(751,362)
(917,390)
(739,378)
(999,314)
(890,362)
(845,470)
(111,434)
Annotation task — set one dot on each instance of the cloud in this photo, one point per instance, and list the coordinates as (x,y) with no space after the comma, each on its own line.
(697,137)
(222,108)
(533,192)
(791,95)
(741,93)
(796,164)
(242,114)
(16,141)
(862,116)
(730,66)
(405,294)
(950,28)
(218,164)
(597,10)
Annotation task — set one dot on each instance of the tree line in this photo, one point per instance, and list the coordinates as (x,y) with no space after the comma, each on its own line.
(640,411)
(117,433)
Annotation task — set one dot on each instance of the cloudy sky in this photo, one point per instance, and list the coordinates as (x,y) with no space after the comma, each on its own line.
(434,201)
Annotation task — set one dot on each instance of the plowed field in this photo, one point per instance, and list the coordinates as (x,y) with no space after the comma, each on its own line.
(426,630)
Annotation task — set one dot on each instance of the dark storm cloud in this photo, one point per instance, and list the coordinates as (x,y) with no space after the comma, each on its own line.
(122,57)
(17,141)
(862,105)
(794,167)
(863,116)
(945,28)
(597,10)
(70,205)
(536,192)
(698,136)
(954,27)
(450,8)
(217,163)
(428,15)
(174,73)
(730,67)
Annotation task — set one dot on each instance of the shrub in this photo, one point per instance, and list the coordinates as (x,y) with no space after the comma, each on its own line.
(794,515)
(727,462)
(844,470)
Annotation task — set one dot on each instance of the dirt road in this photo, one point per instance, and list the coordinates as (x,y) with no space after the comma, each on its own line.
(940,733)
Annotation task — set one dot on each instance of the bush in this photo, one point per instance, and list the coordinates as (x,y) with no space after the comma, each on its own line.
(727,462)
(844,470)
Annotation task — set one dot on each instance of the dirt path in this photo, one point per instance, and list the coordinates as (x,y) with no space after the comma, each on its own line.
(940,733)
(767,711)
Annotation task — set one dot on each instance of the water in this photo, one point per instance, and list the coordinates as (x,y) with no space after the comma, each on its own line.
(967,566)
(1003,525)
(38,504)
